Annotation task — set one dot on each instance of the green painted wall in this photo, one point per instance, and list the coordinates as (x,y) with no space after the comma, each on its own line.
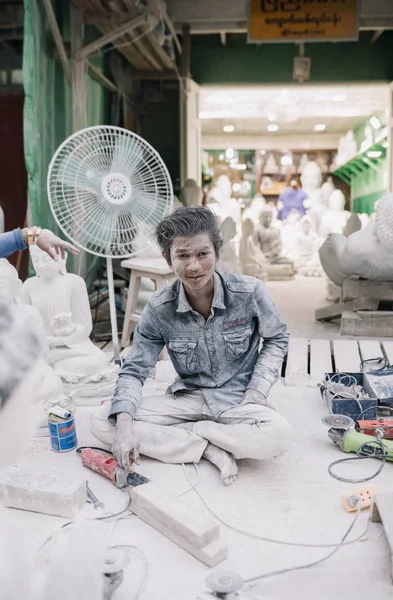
(239,62)
(159,125)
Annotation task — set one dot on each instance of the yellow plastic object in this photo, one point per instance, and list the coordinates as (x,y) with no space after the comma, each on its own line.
(363,495)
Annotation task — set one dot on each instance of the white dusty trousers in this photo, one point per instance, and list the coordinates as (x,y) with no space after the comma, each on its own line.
(177,429)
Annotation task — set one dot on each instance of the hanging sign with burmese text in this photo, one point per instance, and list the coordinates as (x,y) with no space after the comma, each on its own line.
(303,20)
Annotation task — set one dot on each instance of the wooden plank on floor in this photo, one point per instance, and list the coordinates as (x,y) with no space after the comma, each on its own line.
(346,356)
(334,311)
(370,349)
(320,360)
(297,362)
(388,347)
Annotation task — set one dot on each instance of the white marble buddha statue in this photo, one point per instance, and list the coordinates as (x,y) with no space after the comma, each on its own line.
(62,301)
(51,386)
(254,210)
(228,259)
(307,244)
(220,200)
(335,218)
(252,261)
(366,254)
(289,233)
(311,179)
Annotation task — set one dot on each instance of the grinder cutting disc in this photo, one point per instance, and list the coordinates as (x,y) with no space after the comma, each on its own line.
(338,422)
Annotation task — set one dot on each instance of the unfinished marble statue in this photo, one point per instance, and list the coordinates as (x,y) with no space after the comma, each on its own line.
(228,259)
(51,387)
(63,303)
(353,224)
(335,217)
(271,166)
(307,261)
(347,149)
(365,254)
(327,190)
(311,179)
(268,240)
(290,232)
(252,260)
(191,193)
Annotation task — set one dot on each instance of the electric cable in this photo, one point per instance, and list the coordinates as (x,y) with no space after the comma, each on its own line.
(313,563)
(265,538)
(377,442)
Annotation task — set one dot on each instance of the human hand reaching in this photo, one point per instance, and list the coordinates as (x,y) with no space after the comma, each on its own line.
(125,448)
(53,245)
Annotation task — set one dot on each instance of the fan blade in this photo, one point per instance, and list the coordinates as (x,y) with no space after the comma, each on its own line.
(127,156)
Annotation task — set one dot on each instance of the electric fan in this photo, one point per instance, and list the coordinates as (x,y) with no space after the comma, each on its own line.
(105,186)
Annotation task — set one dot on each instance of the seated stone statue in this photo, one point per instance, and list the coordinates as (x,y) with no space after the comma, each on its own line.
(220,201)
(62,301)
(335,217)
(269,239)
(252,260)
(366,254)
(51,386)
(307,261)
(228,259)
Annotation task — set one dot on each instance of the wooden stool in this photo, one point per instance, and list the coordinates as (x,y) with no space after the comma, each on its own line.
(152,268)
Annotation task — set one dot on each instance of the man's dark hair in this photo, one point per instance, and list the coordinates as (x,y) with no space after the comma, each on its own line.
(185,222)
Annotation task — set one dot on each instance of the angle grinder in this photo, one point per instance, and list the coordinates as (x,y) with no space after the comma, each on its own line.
(343,433)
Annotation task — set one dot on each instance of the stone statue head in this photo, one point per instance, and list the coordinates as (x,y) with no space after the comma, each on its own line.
(45,266)
(384,221)
(191,193)
(10,284)
(266,217)
(306,224)
(247,227)
(337,201)
(228,229)
(311,177)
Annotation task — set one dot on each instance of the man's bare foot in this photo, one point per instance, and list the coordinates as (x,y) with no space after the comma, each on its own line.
(223,461)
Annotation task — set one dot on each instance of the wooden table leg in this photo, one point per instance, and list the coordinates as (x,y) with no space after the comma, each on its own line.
(132,300)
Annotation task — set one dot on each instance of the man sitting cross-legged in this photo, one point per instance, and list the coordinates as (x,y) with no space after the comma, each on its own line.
(212,324)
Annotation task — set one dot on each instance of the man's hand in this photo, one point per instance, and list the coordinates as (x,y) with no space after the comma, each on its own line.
(125,448)
(255,397)
(53,245)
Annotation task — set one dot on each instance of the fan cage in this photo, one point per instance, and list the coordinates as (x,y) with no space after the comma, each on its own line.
(108,188)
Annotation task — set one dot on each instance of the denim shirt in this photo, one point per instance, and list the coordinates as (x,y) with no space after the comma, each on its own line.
(219,356)
(11,242)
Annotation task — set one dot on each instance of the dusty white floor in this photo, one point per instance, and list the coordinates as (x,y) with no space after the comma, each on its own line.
(292,498)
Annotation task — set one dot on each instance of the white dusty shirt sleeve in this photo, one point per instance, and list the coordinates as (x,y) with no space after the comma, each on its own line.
(142,357)
(275,335)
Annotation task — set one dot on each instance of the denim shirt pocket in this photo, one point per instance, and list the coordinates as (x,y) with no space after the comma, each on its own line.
(185,355)
(236,342)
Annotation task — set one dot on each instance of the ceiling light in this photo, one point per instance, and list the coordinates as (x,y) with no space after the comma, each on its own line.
(271,117)
(262,152)
(320,127)
(286,160)
(272,127)
(339,98)
(375,122)
(229,128)
(374,154)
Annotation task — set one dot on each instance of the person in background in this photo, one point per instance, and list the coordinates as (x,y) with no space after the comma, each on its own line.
(293,197)
(20,239)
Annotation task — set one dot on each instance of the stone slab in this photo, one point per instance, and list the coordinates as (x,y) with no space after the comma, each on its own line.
(179,518)
(367,324)
(211,554)
(47,493)
(356,288)
(334,311)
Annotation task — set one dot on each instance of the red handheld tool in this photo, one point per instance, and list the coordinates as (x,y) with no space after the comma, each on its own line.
(103,462)
(370,426)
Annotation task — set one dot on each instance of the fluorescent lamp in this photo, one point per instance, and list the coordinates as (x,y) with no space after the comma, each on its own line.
(375,122)
(320,127)
(229,128)
(272,127)
(374,154)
